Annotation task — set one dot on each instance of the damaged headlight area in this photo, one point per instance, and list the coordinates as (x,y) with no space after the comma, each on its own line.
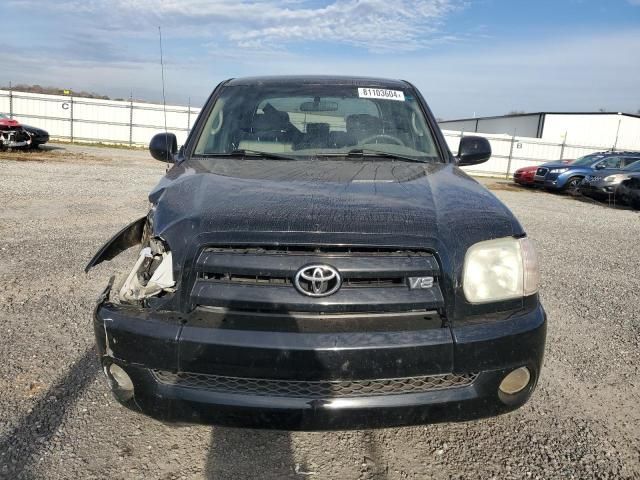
(151,275)
(13,137)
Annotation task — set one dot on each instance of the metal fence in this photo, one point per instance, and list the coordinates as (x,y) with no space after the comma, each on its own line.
(510,153)
(83,119)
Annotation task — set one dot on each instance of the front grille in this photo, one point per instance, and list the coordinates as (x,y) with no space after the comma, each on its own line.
(306,250)
(261,278)
(397,281)
(315,389)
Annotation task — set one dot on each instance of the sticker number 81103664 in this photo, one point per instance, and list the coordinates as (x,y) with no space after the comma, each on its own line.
(381,93)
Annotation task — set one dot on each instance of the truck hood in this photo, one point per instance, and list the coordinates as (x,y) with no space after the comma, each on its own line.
(556,165)
(568,166)
(382,201)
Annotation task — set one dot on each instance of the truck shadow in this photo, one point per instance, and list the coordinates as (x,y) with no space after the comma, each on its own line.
(245,454)
(20,446)
(266,454)
(611,202)
(374,464)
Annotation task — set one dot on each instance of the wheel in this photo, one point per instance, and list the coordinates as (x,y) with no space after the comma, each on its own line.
(572,185)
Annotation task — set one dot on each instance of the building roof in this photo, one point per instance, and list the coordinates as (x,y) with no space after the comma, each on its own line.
(539,113)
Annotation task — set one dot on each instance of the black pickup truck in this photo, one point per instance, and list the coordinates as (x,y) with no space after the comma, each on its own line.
(315,259)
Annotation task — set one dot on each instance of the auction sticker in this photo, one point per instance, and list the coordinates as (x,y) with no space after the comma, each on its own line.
(381,93)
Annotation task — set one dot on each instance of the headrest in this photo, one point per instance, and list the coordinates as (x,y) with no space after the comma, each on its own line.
(318,129)
(275,115)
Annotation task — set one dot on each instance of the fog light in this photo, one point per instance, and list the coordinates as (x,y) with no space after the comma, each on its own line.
(516,381)
(121,383)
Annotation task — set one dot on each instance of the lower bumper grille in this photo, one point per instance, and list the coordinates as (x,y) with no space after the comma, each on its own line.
(315,389)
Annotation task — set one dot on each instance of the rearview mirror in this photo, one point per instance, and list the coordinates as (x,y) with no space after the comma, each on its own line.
(473,150)
(163,147)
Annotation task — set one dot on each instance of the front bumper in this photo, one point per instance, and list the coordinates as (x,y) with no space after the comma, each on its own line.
(598,190)
(39,139)
(553,182)
(523,179)
(145,343)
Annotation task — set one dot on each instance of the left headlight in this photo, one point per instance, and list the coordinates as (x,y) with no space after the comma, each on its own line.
(558,170)
(500,269)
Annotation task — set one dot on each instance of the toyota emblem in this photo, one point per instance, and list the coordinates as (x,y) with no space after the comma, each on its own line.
(317,280)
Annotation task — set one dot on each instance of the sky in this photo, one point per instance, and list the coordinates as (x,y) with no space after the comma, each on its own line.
(468,57)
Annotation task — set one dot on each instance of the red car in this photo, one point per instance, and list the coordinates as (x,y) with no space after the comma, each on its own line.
(524,175)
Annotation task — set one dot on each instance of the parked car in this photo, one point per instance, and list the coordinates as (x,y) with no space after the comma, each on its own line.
(560,177)
(526,175)
(38,135)
(605,183)
(14,134)
(629,191)
(315,259)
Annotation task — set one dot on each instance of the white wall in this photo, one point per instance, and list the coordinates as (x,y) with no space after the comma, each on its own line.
(597,130)
(123,122)
(94,120)
(526,152)
(525,125)
(593,130)
(459,125)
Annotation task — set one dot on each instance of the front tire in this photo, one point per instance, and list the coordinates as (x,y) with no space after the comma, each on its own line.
(571,187)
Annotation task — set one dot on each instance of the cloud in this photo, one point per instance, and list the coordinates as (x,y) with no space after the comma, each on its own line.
(112,48)
(579,72)
(374,25)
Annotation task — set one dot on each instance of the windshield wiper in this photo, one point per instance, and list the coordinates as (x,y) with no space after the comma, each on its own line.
(368,152)
(242,152)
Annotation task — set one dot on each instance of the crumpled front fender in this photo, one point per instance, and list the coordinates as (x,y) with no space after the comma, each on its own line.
(126,238)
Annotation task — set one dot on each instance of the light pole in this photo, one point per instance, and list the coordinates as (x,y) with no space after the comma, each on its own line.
(615,144)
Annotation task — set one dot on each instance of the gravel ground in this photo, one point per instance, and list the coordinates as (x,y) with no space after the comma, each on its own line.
(57,419)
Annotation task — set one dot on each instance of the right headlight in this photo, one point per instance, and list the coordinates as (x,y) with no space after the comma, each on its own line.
(500,269)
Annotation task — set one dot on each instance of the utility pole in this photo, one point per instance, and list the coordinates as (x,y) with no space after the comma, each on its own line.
(10,100)
(615,143)
(513,141)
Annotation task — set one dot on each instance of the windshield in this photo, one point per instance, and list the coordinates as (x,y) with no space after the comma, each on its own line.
(300,121)
(586,160)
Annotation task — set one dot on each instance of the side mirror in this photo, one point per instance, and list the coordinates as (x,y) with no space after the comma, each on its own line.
(473,150)
(600,166)
(163,147)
